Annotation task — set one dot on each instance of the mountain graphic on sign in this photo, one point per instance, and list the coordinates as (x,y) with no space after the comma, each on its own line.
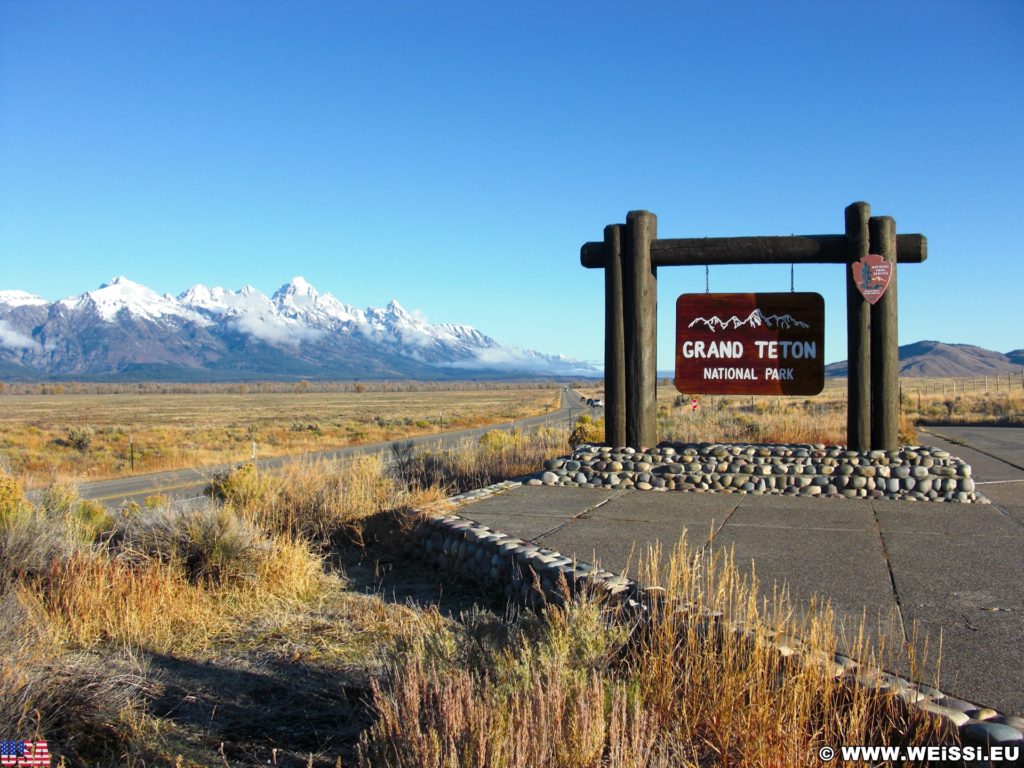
(755,319)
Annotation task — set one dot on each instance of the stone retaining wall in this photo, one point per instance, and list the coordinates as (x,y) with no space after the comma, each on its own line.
(535,575)
(913,473)
(522,570)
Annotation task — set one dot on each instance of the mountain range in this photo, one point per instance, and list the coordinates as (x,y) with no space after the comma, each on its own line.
(934,358)
(125,330)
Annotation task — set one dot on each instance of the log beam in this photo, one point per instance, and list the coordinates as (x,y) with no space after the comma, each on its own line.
(795,249)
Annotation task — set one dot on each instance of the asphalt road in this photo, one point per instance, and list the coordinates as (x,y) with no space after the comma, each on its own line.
(1005,444)
(187,484)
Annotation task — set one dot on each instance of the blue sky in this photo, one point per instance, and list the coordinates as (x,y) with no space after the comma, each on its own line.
(456,155)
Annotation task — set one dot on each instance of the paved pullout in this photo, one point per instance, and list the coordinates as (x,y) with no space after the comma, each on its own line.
(950,569)
(189,483)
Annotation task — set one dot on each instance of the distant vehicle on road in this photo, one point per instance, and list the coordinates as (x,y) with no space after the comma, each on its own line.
(599,403)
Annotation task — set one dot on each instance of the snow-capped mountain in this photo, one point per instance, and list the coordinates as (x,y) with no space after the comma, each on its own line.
(755,320)
(125,329)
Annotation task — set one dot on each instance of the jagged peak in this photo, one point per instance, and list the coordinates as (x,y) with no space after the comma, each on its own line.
(123,282)
(194,292)
(397,309)
(297,286)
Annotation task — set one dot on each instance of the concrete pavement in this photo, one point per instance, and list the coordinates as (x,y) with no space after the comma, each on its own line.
(953,570)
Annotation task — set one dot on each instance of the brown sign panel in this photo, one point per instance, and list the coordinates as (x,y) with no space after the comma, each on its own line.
(750,343)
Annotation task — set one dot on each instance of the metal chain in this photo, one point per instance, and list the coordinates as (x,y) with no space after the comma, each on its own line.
(707,279)
(791,288)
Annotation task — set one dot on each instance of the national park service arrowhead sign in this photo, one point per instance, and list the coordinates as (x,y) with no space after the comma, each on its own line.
(750,343)
(872,275)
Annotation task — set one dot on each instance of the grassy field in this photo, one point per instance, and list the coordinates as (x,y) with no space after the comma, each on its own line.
(822,418)
(284,626)
(91,436)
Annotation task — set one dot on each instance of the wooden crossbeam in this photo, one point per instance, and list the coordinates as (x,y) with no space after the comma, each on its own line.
(793,249)
(631,254)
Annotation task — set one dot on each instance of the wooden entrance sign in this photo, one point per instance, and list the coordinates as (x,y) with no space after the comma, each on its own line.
(631,254)
(750,343)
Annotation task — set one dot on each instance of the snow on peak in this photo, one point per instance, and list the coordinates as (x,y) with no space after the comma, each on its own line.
(299,300)
(396,309)
(21,299)
(198,296)
(297,286)
(124,294)
(296,314)
(121,280)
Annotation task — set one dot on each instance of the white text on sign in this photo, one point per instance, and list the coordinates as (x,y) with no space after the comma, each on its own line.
(766,350)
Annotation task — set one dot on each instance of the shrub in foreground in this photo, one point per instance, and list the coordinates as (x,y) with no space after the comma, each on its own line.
(586,430)
(209,543)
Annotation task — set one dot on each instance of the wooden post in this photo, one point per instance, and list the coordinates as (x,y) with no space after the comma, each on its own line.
(640,306)
(885,364)
(858,324)
(614,341)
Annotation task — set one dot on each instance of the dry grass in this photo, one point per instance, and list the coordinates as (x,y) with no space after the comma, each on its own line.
(92,436)
(679,689)
(819,419)
(319,501)
(497,456)
(191,637)
(822,418)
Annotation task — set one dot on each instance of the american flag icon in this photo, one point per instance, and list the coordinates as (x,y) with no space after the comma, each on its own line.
(18,752)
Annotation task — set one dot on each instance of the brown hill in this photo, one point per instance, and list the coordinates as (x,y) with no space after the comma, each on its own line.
(933,358)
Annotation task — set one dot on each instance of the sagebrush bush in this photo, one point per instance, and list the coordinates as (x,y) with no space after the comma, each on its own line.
(30,541)
(208,543)
(91,519)
(80,438)
(586,430)
(242,487)
(496,441)
(59,498)
(12,496)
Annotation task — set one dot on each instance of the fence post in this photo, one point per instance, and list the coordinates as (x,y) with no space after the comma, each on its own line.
(640,306)
(614,341)
(858,324)
(885,365)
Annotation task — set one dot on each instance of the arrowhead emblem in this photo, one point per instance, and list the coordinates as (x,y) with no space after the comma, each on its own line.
(872,275)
